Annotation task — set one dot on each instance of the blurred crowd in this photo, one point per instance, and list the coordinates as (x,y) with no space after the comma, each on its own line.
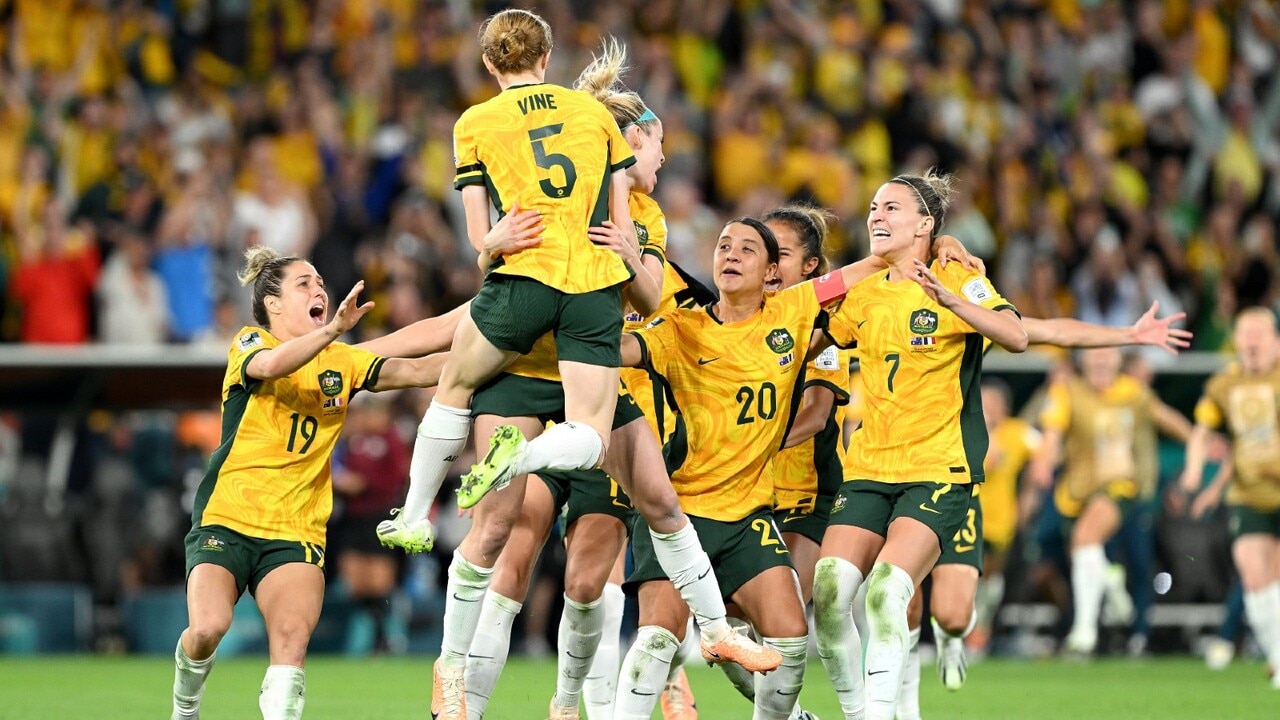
(1109,154)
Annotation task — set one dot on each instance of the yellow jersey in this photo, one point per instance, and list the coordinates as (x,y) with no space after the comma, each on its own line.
(732,388)
(1248,406)
(921,367)
(1109,439)
(270,476)
(1013,442)
(553,150)
(815,467)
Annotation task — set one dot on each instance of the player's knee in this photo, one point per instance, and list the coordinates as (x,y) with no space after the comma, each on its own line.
(833,587)
(585,590)
(288,639)
(492,535)
(203,635)
(889,591)
(952,614)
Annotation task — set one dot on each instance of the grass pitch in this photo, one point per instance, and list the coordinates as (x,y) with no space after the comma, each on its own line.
(129,688)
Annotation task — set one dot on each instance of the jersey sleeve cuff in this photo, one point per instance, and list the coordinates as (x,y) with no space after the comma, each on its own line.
(622,164)
(371,377)
(468,175)
(654,252)
(842,394)
(249,383)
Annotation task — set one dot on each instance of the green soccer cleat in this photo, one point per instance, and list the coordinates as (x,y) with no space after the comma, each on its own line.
(413,538)
(496,470)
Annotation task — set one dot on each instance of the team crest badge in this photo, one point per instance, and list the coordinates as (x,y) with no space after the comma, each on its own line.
(924,322)
(642,233)
(213,543)
(839,504)
(780,341)
(331,383)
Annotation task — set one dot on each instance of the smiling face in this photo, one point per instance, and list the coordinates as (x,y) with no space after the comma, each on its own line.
(897,228)
(793,267)
(741,261)
(646,143)
(302,305)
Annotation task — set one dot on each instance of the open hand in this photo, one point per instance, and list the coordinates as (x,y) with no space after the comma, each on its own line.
(348,312)
(517,230)
(1150,330)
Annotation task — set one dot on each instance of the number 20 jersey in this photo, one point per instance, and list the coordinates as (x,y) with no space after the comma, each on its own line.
(270,477)
(732,387)
(550,149)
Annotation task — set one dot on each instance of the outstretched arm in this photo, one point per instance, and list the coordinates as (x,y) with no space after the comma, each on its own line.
(285,358)
(429,335)
(1003,327)
(400,373)
(1148,330)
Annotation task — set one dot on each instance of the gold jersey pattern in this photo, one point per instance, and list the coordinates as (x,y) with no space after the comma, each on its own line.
(1109,438)
(270,478)
(1013,443)
(732,388)
(800,473)
(1248,405)
(921,368)
(549,149)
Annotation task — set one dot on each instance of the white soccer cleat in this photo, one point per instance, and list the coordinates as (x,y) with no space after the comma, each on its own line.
(952,664)
(415,537)
(1219,653)
(1080,643)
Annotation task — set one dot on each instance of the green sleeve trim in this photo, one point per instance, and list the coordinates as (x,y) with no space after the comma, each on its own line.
(654,252)
(461,181)
(842,394)
(1007,306)
(622,165)
(371,376)
(249,384)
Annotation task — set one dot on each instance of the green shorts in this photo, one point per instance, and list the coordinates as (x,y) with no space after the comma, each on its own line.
(1245,520)
(587,492)
(809,521)
(249,559)
(873,505)
(966,546)
(738,550)
(511,396)
(512,312)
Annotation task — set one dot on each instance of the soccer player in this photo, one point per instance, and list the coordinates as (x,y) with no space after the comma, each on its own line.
(1245,398)
(599,511)
(909,467)
(559,153)
(260,512)
(1107,422)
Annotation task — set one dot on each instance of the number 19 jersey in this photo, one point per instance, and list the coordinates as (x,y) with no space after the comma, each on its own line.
(731,387)
(550,149)
(270,477)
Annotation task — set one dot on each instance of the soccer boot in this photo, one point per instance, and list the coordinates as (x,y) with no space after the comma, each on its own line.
(412,537)
(496,470)
(752,656)
(951,660)
(448,693)
(677,699)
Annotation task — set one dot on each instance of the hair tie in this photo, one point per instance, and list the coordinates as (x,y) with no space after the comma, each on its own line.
(644,117)
(925,205)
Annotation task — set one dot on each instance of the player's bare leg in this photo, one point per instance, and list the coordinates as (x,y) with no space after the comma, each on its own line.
(602,680)
(847,552)
(955,590)
(290,598)
(663,618)
(1097,523)
(1257,558)
(211,601)
(771,600)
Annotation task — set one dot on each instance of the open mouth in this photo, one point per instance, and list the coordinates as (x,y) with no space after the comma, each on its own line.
(880,234)
(773,285)
(317,313)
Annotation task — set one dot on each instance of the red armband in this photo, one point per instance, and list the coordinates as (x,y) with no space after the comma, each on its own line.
(829,287)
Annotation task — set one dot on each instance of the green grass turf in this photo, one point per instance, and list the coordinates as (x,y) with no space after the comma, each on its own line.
(111,688)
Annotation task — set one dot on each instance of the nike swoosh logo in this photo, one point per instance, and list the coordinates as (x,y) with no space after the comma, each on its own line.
(861,323)
(481,657)
(704,362)
(789,518)
(876,672)
(462,599)
(926,508)
(797,692)
(578,657)
(963,548)
(643,694)
(704,574)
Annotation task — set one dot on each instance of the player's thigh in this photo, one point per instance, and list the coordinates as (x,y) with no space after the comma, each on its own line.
(661,605)
(592,546)
(619,572)
(1098,521)
(858,524)
(911,546)
(473,360)
(590,395)
(635,460)
(212,592)
(512,574)
(290,597)
(804,555)
(771,600)
(1255,555)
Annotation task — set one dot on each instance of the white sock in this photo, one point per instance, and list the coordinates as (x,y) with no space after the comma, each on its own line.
(602,679)
(442,436)
(909,691)
(835,584)
(743,681)
(1088,583)
(685,562)
(580,628)
(564,446)
(463,602)
(284,692)
(860,610)
(889,591)
(990,593)
(644,672)
(778,692)
(1262,609)
(1273,601)
(690,648)
(188,681)
(489,650)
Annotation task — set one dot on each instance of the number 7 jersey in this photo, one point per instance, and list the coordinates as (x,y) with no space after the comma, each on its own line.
(270,477)
(733,389)
(550,149)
